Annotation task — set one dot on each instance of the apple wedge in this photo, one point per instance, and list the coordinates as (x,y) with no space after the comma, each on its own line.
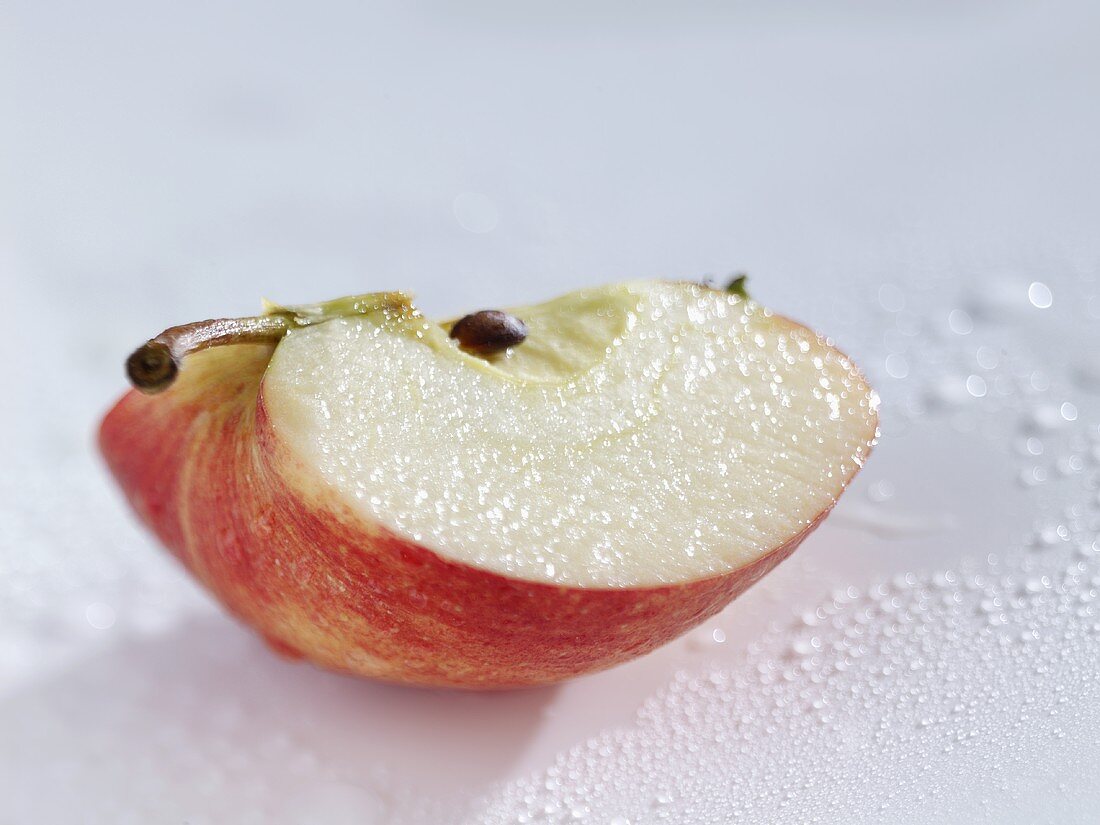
(427,504)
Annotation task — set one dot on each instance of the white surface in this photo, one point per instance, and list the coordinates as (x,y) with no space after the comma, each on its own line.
(898,175)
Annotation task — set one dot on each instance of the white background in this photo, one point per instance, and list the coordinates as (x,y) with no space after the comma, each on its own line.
(161,163)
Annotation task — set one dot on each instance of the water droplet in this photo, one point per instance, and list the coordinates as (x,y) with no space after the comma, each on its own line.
(897,366)
(959,322)
(1033,476)
(975,385)
(891,298)
(987,358)
(100,616)
(475,212)
(1040,295)
(880,491)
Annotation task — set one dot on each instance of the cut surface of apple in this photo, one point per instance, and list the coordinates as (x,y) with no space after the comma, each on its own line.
(369,495)
(643,434)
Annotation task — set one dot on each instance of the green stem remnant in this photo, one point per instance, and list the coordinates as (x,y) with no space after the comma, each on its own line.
(153,366)
(737,286)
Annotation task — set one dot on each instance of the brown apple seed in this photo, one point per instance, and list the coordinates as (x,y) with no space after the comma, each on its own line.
(488,332)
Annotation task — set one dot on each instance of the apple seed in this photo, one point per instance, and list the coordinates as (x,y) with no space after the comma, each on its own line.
(488,332)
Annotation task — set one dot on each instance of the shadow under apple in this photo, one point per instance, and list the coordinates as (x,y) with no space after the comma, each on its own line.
(205,714)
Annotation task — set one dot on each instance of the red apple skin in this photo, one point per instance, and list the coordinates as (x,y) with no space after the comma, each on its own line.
(204,469)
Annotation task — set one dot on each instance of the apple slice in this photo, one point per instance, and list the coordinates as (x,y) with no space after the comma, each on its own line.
(374,495)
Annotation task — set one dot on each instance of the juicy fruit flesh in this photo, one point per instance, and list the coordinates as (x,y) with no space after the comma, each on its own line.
(643,434)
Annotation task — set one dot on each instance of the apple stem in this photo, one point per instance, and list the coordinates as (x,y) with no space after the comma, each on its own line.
(153,366)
